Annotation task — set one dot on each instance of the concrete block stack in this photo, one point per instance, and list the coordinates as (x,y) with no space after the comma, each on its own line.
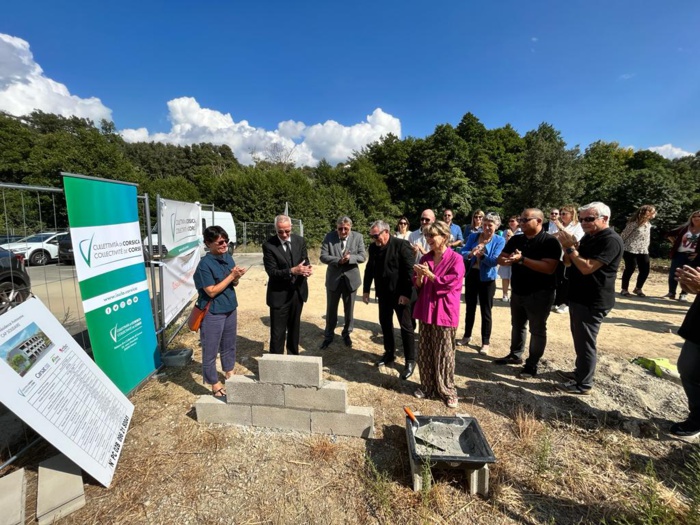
(290,394)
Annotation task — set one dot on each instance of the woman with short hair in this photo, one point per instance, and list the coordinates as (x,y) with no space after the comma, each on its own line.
(215,279)
(480,254)
(637,237)
(438,279)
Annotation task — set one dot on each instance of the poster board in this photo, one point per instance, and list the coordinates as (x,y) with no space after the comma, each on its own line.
(49,382)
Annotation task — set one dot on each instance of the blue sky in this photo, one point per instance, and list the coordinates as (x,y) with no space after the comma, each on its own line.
(231,72)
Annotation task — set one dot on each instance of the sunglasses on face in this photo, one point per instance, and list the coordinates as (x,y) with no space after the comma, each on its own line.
(283,232)
(526,219)
(374,236)
(424,219)
(343,229)
(589,219)
(221,242)
(403,223)
(554,213)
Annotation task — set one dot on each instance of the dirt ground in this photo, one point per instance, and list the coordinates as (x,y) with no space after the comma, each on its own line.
(560,458)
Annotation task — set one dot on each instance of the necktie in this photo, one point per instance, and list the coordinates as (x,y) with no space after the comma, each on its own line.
(288,249)
(342,246)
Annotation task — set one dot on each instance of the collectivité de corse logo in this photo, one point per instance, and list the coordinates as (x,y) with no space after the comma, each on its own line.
(182,228)
(100,253)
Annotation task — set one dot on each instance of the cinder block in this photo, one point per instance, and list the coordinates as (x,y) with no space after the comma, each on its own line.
(13,496)
(357,422)
(244,390)
(331,397)
(60,489)
(215,410)
(291,370)
(282,418)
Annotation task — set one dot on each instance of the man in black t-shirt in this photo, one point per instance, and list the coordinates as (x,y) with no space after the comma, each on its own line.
(534,257)
(593,269)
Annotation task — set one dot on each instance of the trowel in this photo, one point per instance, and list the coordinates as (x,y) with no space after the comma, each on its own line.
(422,433)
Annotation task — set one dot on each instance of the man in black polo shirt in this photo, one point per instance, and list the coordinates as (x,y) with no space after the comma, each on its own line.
(534,257)
(593,269)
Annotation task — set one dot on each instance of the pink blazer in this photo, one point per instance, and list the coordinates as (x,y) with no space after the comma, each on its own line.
(438,301)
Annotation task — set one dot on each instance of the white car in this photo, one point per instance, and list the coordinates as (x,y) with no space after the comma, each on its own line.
(39,248)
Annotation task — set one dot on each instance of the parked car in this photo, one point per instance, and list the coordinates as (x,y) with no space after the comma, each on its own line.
(38,249)
(7,238)
(65,250)
(15,284)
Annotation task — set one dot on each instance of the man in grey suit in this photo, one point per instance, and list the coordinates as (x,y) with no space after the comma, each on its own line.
(342,250)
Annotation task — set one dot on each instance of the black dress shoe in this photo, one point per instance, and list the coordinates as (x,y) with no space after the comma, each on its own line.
(347,340)
(326,343)
(408,371)
(385,360)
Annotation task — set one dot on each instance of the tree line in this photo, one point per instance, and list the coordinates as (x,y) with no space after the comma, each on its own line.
(461,167)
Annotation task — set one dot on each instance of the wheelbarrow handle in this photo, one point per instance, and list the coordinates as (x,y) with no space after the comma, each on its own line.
(410,414)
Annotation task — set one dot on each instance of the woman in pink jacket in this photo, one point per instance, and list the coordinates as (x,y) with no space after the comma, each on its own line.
(438,278)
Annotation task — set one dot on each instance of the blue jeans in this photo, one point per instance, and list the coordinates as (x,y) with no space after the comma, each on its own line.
(218,336)
(678,260)
(533,309)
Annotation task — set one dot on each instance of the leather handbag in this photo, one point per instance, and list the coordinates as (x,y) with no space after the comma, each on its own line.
(196,316)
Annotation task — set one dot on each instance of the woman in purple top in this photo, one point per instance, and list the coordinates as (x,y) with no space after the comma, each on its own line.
(438,278)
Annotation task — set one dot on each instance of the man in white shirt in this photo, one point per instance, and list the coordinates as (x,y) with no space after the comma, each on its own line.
(418,242)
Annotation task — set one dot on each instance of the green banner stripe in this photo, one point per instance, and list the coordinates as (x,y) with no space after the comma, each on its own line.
(110,281)
(182,249)
(99,203)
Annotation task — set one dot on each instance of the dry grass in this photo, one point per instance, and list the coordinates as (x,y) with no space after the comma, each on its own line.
(560,459)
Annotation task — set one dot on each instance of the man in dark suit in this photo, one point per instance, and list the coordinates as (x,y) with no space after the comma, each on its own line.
(342,250)
(287,265)
(390,266)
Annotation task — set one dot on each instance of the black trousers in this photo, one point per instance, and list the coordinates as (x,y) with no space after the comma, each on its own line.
(532,310)
(482,291)
(585,324)
(632,261)
(285,320)
(562,295)
(388,305)
(689,369)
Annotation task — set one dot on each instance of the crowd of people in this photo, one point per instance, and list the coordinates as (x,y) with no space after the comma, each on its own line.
(565,265)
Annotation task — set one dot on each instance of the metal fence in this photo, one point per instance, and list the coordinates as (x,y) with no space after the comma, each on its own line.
(252,235)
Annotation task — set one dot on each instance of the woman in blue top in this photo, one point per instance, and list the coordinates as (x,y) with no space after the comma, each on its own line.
(215,278)
(480,253)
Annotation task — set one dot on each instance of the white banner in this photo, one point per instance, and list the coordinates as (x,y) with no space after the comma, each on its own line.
(181,233)
(49,381)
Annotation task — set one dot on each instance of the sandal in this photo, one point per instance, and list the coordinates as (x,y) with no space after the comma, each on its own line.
(452,402)
(638,292)
(221,392)
(625,293)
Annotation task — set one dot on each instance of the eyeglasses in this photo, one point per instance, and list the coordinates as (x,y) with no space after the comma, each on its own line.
(478,217)
(403,223)
(526,219)
(343,229)
(221,242)
(591,219)
(565,213)
(374,236)
(447,215)
(282,232)
(432,235)
(424,219)
(554,213)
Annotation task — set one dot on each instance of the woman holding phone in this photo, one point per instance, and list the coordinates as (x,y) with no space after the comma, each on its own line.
(215,279)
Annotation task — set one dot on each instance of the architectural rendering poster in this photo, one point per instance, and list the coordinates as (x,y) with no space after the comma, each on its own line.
(181,234)
(104,225)
(52,384)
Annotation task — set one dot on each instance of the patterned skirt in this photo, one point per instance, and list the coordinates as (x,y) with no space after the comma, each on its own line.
(436,360)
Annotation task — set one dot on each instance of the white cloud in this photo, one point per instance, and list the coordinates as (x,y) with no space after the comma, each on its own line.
(190,123)
(670,151)
(626,76)
(534,39)
(24,88)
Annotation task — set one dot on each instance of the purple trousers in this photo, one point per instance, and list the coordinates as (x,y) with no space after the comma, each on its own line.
(218,336)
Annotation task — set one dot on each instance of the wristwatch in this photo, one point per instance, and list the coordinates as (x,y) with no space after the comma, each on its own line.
(521,260)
